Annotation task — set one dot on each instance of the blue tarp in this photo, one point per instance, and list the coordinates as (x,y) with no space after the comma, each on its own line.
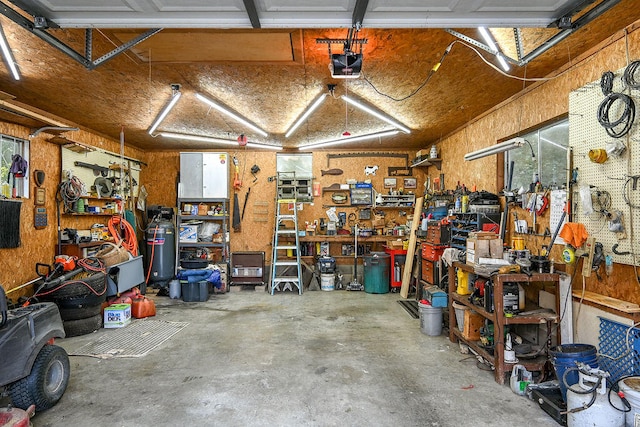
(193,276)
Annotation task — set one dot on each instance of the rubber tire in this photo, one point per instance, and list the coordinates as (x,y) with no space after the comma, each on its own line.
(81,301)
(46,383)
(97,282)
(82,312)
(75,328)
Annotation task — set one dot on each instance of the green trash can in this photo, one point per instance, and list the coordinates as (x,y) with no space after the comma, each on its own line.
(376,273)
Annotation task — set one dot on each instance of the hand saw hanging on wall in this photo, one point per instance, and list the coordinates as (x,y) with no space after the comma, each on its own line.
(237,183)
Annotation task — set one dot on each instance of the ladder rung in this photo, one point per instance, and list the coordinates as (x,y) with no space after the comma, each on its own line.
(286,231)
(287,201)
(286,247)
(281,279)
(286,217)
(279,263)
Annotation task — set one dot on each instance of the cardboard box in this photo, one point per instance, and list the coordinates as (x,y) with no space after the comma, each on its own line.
(477,248)
(472,324)
(495,248)
(188,233)
(117,316)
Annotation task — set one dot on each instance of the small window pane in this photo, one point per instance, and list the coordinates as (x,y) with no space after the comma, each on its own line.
(301,164)
(543,156)
(8,147)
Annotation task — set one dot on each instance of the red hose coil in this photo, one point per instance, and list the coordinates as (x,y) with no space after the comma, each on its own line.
(129,241)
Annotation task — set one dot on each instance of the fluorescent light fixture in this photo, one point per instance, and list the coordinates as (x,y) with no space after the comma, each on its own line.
(489,41)
(377,114)
(217,140)
(234,116)
(8,55)
(495,149)
(503,62)
(174,99)
(348,139)
(306,114)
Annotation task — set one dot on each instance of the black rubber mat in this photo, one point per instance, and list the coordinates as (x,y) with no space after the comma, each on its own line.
(411,306)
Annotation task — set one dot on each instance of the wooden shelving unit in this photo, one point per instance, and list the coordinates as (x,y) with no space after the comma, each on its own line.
(500,320)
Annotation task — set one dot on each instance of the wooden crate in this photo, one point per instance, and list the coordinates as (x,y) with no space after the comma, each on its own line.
(472,324)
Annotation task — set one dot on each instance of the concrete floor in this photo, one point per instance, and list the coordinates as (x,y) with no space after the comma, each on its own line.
(321,359)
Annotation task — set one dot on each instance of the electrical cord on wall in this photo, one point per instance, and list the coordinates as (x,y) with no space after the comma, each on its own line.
(606,82)
(626,118)
(629,78)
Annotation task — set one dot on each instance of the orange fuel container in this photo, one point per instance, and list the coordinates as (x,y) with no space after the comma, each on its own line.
(142,307)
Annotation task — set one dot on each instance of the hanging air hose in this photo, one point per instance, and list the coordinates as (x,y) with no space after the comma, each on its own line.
(626,118)
(129,241)
(629,77)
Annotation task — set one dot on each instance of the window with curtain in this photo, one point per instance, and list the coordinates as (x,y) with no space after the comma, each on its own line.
(9,147)
(543,156)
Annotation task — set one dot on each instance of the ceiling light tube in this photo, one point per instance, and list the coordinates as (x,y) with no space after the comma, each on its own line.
(174,99)
(489,41)
(234,116)
(8,55)
(377,114)
(306,114)
(348,139)
(217,140)
(487,38)
(495,149)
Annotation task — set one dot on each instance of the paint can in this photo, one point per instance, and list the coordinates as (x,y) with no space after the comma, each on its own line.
(327,281)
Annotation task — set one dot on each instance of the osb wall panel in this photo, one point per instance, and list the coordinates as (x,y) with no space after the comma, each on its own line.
(256,228)
(545,101)
(160,177)
(17,266)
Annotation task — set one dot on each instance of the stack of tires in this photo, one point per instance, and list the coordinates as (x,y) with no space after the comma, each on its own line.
(80,300)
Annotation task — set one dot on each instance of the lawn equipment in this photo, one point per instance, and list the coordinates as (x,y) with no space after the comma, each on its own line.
(34,371)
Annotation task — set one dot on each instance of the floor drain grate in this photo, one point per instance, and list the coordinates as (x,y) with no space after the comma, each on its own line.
(411,307)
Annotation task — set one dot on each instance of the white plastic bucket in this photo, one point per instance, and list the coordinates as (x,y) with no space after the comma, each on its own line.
(631,389)
(430,319)
(327,282)
(175,289)
(460,309)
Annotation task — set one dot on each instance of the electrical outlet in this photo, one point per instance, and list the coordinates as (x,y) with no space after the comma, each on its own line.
(589,247)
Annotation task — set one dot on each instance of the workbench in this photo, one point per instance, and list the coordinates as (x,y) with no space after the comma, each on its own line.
(500,320)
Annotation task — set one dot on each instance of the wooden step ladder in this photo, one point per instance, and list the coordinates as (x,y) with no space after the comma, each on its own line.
(281,264)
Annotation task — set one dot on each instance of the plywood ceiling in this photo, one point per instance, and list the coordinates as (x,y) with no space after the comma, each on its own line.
(271,75)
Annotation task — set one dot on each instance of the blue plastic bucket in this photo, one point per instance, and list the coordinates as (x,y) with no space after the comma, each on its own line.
(566,356)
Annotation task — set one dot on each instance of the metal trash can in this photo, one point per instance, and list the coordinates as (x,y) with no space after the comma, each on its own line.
(376,273)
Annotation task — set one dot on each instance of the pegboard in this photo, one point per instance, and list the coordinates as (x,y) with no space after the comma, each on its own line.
(108,160)
(585,134)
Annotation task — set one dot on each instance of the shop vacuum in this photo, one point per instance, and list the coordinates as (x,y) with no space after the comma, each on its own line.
(160,238)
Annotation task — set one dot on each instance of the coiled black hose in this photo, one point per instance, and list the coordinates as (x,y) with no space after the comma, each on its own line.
(626,118)
(606,82)
(629,77)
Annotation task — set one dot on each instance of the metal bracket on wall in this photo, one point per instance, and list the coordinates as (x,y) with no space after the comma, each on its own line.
(369,154)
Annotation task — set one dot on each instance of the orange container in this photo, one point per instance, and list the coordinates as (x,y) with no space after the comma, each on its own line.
(142,307)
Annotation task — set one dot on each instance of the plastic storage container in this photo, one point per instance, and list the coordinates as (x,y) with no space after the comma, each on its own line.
(195,291)
(376,273)
(565,356)
(430,319)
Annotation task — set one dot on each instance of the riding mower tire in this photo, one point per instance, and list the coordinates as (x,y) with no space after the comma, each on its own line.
(80,301)
(78,313)
(94,284)
(46,383)
(75,328)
